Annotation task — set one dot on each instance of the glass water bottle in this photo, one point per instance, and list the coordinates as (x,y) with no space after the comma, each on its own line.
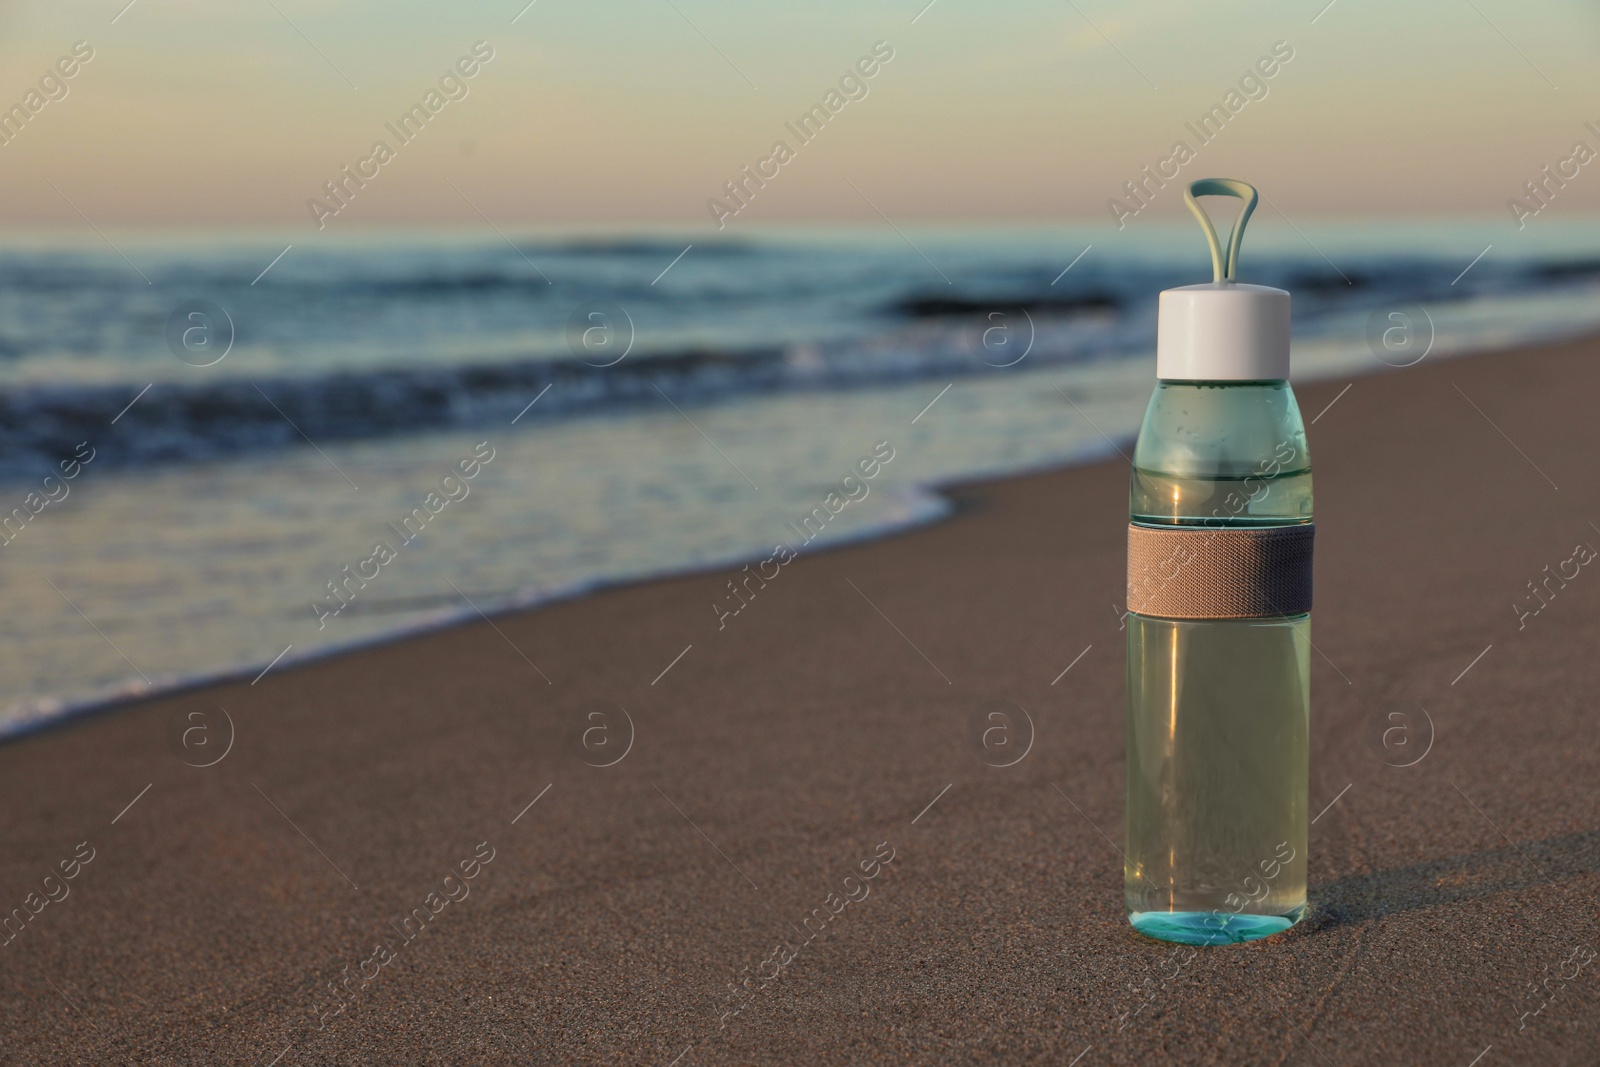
(1218,648)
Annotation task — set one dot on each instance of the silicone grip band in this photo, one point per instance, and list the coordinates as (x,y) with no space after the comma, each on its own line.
(1186,572)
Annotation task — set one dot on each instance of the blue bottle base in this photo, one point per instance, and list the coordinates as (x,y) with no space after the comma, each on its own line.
(1211,928)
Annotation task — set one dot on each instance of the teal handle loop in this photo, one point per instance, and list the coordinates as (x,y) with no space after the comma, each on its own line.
(1223,265)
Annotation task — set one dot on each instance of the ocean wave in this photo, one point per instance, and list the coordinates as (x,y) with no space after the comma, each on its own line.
(176,422)
(939,306)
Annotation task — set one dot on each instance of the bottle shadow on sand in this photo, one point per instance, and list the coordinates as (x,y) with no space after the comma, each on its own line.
(1452,880)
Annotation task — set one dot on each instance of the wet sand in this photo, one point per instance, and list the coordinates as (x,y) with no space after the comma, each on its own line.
(322,893)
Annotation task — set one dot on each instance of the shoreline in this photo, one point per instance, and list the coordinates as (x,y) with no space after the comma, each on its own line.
(936,507)
(932,503)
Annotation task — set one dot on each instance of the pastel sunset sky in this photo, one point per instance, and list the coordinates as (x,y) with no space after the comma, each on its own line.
(235,112)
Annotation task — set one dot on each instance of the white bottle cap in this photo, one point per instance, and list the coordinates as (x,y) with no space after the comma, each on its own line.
(1222,331)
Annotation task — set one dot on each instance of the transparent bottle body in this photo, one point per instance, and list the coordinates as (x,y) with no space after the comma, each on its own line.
(1218,711)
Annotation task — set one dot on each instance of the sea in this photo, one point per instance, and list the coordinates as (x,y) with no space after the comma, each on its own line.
(203,437)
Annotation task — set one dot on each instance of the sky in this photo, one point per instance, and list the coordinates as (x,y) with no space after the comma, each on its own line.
(236,112)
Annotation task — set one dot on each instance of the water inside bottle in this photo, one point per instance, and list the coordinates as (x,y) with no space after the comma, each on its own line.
(1218,727)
